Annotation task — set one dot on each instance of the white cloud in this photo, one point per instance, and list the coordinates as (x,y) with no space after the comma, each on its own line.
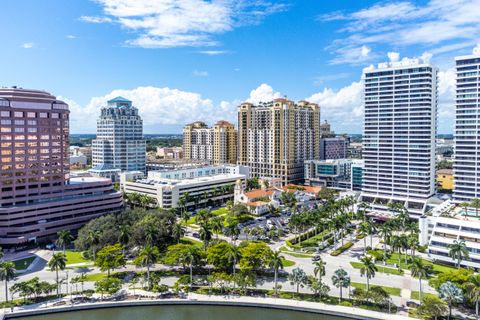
(393,56)
(213,52)
(352,55)
(28,45)
(343,108)
(167,23)
(450,24)
(330,77)
(71,36)
(197,73)
(264,93)
(157,106)
(92,19)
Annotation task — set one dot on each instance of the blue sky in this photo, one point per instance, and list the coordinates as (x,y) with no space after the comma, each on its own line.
(187,60)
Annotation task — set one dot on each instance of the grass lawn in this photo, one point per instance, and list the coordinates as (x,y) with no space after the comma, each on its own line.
(24,263)
(220,212)
(381,269)
(186,240)
(298,255)
(390,290)
(416,295)
(95,277)
(288,263)
(75,257)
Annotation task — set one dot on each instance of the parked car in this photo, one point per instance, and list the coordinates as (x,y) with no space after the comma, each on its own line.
(196,235)
(316,258)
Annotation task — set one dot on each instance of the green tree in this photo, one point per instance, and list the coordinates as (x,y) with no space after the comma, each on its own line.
(7,273)
(216,223)
(368,269)
(420,270)
(205,235)
(57,262)
(458,251)
(218,255)
(472,290)
(385,232)
(364,228)
(190,257)
(275,261)
(93,239)
(244,279)
(298,277)
(432,307)
(178,231)
(124,235)
(254,256)
(451,294)
(108,285)
(110,257)
(341,279)
(147,258)
(319,269)
(64,238)
(317,286)
(233,255)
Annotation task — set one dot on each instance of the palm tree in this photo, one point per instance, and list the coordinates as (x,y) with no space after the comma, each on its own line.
(364,228)
(298,277)
(458,251)
(93,238)
(124,235)
(7,273)
(451,294)
(189,257)
(64,239)
(58,262)
(233,256)
(341,280)
(368,269)
(217,225)
(205,235)
(183,201)
(396,243)
(465,206)
(371,230)
(476,204)
(385,232)
(472,290)
(178,231)
(275,262)
(319,269)
(148,257)
(419,270)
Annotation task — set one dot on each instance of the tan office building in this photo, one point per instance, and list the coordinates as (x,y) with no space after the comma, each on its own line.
(216,145)
(275,138)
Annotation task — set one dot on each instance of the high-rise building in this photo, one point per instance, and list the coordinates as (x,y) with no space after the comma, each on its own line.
(37,196)
(333,148)
(216,145)
(275,138)
(120,143)
(399,134)
(325,129)
(466,166)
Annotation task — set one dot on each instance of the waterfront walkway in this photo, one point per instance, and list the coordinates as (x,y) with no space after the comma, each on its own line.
(334,310)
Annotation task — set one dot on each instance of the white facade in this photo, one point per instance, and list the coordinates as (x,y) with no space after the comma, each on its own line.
(466,166)
(399,135)
(119,143)
(440,232)
(167,187)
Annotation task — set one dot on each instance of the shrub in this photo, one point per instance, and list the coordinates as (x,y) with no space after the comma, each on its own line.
(341,249)
(345,304)
(360,236)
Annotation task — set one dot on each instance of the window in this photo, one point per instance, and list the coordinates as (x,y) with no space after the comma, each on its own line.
(18,114)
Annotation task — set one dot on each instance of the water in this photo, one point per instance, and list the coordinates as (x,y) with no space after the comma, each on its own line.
(183,312)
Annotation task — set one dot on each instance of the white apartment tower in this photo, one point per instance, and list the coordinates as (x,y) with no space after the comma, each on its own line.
(467,128)
(119,143)
(275,138)
(400,126)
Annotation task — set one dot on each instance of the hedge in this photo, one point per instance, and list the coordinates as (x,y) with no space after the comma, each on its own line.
(342,249)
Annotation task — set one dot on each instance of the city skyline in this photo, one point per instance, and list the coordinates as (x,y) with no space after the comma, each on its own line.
(223,54)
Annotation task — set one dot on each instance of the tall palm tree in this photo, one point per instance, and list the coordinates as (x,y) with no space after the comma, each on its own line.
(476,204)
(64,239)
(341,279)
(451,294)
(93,238)
(275,261)
(233,256)
(146,258)
(319,269)
(385,232)
(364,228)
(419,270)
(189,257)
(472,290)
(216,223)
(368,269)
(205,235)
(124,235)
(58,262)
(458,251)
(178,231)
(7,273)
